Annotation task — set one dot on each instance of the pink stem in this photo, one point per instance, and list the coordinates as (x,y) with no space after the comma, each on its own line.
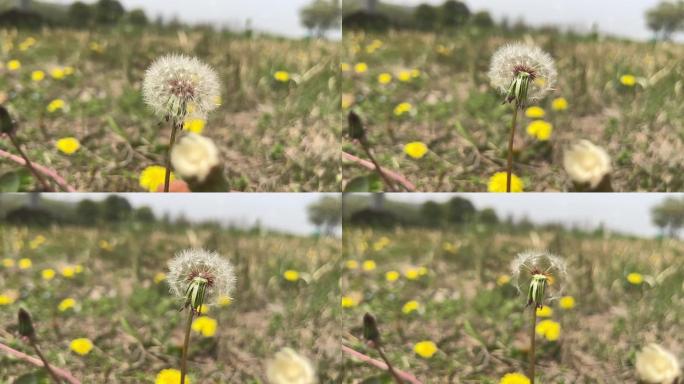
(391,174)
(380,364)
(66,375)
(44,170)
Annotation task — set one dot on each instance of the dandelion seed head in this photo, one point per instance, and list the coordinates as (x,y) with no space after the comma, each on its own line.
(289,367)
(530,263)
(199,263)
(194,157)
(174,82)
(512,59)
(586,163)
(654,364)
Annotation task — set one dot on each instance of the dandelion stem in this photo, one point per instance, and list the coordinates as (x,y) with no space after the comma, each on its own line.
(509,168)
(44,360)
(29,165)
(186,344)
(378,169)
(390,368)
(172,141)
(533,336)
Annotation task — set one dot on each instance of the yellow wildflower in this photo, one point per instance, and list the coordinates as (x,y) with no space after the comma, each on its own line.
(57,73)
(415,73)
(82,346)
(66,304)
(628,80)
(37,76)
(204,325)
(540,129)
(159,277)
(402,108)
(25,263)
(369,265)
(282,76)
(535,112)
(68,71)
(559,104)
(291,275)
(48,274)
(497,183)
(8,263)
(635,278)
(391,276)
(6,299)
(68,272)
(567,302)
(416,149)
(361,68)
(425,349)
(410,306)
(170,376)
(68,145)
(352,264)
(544,311)
(224,301)
(194,125)
(348,100)
(152,177)
(422,271)
(55,105)
(412,273)
(503,280)
(384,78)
(345,67)
(549,329)
(14,65)
(349,302)
(405,76)
(514,378)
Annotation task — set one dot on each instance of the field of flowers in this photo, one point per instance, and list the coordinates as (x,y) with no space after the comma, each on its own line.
(432,116)
(102,309)
(449,311)
(77,99)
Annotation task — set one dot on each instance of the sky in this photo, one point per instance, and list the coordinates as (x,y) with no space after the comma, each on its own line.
(622,212)
(275,16)
(619,17)
(286,212)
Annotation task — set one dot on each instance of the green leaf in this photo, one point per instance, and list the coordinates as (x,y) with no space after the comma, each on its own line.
(10,182)
(38,377)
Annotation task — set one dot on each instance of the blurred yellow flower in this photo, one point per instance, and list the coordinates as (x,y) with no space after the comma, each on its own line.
(282,76)
(391,276)
(194,125)
(369,265)
(628,80)
(503,280)
(425,349)
(37,242)
(82,346)
(291,275)
(57,73)
(410,306)
(402,108)
(68,272)
(497,183)
(170,376)
(203,309)
(361,68)
(68,71)
(6,299)
(535,112)
(422,271)
(544,311)
(159,277)
(152,177)
(25,263)
(224,301)
(384,78)
(352,264)
(381,243)
(540,129)
(514,378)
(415,73)
(549,329)
(37,76)
(95,47)
(345,67)
(66,304)
(14,65)
(405,76)
(205,325)
(349,302)
(8,263)
(559,104)
(48,274)
(416,149)
(106,245)
(635,278)
(55,105)
(567,302)
(348,100)
(68,145)
(412,273)
(78,268)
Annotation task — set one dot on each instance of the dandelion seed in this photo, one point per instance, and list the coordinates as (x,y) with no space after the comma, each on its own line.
(66,304)
(68,145)
(536,268)
(349,302)
(152,177)
(206,326)
(25,263)
(587,163)
(361,68)
(289,367)
(194,157)
(549,329)
(384,78)
(514,378)
(416,149)
(48,274)
(656,365)
(81,346)
(352,264)
(559,104)
(425,349)
(540,129)
(291,275)
(497,183)
(392,276)
(410,306)
(198,266)
(535,112)
(55,105)
(628,80)
(567,302)
(282,76)
(635,278)
(369,265)
(174,82)
(13,65)
(37,76)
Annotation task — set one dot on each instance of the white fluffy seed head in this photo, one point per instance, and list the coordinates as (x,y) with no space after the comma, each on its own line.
(196,262)
(656,365)
(178,85)
(289,367)
(510,59)
(194,157)
(527,264)
(586,163)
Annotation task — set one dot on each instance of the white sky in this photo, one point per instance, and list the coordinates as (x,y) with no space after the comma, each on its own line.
(275,16)
(619,17)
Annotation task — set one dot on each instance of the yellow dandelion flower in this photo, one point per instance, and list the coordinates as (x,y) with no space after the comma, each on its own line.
(170,376)
(415,73)
(405,76)
(544,311)
(82,346)
(559,104)
(68,71)
(159,277)
(361,68)
(291,275)
(345,67)
(384,78)
(57,73)
(96,47)
(224,301)
(391,276)
(68,272)
(369,265)
(205,326)
(412,273)
(514,378)
(402,108)
(6,299)
(37,76)
(567,302)
(25,263)
(628,80)
(349,302)
(497,183)
(352,264)
(48,274)
(422,271)
(8,263)
(549,329)
(203,309)
(503,280)
(282,76)
(56,104)
(540,129)
(66,304)
(13,65)
(535,112)
(416,149)
(425,349)
(381,244)
(194,125)
(68,145)
(37,242)
(78,268)
(152,177)
(635,278)
(410,306)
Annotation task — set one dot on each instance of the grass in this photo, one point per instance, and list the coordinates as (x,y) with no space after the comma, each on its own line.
(477,319)
(465,125)
(272,136)
(135,324)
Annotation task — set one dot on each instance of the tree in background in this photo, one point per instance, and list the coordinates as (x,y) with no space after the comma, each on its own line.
(88,212)
(108,12)
(321,16)
(488,216)
(482,19)
(454,14)
(425,17)
(668,216)
(326,214)
(666,18)
(460,210)
(80,15)
(432,213)
(144,215)
(116,209)
(137,18)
